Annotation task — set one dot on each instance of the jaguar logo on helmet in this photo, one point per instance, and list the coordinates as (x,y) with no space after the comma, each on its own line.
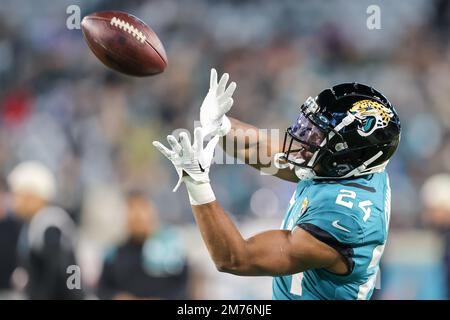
(372,115)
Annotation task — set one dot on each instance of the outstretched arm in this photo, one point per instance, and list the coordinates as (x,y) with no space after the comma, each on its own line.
(270,253)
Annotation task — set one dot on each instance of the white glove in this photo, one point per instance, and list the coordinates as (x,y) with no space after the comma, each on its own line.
(192,159)
(217,102)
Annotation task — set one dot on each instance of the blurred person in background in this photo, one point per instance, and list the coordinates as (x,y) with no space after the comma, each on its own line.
(436,213)
(151,263)
(9,234)
(47,240)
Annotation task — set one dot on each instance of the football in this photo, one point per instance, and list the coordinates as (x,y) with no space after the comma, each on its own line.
(124,43)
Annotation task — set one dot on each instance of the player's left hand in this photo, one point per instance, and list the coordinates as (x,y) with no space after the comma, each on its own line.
(195,160)
(216,104)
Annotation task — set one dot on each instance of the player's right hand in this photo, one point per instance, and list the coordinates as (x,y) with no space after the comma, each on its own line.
(193,159)
(216,104)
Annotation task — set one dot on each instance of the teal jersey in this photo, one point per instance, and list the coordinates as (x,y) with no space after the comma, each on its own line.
(352,216)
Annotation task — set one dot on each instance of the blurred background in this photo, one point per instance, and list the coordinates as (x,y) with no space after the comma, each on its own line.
(107,199)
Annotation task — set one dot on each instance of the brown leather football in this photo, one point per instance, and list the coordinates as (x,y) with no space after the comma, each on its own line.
(124,43)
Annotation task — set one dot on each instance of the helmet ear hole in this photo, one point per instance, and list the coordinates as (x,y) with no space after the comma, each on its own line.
(332,168)
(340,163)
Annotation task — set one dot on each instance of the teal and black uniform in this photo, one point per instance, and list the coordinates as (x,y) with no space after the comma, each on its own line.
(352,216)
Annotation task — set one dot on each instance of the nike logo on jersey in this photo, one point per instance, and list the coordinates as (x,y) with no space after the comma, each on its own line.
(336,224)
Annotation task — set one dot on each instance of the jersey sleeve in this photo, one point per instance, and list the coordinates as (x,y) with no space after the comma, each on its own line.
(341,225)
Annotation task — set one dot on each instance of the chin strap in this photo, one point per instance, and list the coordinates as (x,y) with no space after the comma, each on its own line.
(375,169)
(308,174)
(361,170)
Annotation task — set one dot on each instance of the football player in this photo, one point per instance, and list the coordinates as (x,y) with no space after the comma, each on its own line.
(336,224)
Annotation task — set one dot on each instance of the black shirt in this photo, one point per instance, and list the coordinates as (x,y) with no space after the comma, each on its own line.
(125,271)
(9,234)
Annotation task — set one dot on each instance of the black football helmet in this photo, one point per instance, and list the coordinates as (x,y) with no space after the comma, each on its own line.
(348,130)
